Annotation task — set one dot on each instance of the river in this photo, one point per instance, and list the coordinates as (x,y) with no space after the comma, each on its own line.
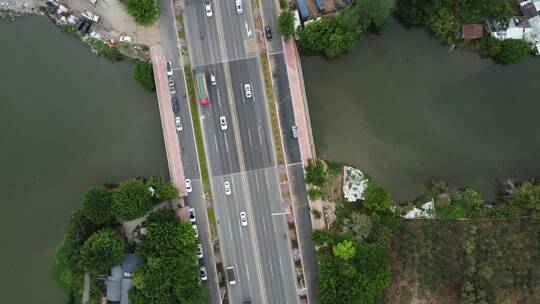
(403,110)
(68,120)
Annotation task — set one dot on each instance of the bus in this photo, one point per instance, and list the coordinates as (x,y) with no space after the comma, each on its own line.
(202,90)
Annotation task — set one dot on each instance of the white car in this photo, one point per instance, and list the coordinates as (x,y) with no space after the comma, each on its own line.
(247,90)
(178,123)
(195,229)
(126,39)
(239,8)
(188,186)
(90,16)
(169,68)
(227,186)
(204,277)
(208,9)
(95,35)
(243,218)
(223,122)
(199,251)
(192,216)
(171,87)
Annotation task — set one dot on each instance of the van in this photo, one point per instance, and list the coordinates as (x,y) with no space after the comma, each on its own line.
(294,130)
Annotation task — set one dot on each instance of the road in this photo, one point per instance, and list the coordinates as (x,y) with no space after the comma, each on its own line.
(243,154)
(195,199)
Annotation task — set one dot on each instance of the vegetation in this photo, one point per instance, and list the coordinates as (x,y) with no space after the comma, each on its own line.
(170,272)
(143,74)
(131,199)
(286,23)
(144,11)
(336,35)
(110,52)
(97,205)
(511,51)
(102,250)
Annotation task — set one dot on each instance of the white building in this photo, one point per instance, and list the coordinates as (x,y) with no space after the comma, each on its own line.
(354,184)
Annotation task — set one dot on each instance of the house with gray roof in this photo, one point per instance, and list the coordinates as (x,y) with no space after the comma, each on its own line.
(121,279)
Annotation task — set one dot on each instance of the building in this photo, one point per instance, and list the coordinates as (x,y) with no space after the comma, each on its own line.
(472,31)
(121,279)
(354,184)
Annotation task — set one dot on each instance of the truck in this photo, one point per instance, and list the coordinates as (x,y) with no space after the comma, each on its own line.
(212,73)
(231,276)
(202,90)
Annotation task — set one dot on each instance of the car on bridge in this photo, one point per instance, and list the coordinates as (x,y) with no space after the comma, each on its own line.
(227,186)
(208,9)
(239,8)
(247,90)
(243,218)
(223,122)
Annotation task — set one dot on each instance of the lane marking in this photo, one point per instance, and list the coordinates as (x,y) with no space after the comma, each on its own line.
(264,226)
(215,140)
(280,265)
(247,57)
(260,138)
(257,182)
(230,230)
(271,268)
(218,98)
(249,136)
(247,272)
(226,142)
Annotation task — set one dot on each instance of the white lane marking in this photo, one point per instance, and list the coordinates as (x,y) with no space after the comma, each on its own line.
(230,230)
(260,138)
(215,140)
(218,98)
(266,180)
(257,182)
(248,30)
(264,226)
(280,265)
(226,142)
(271,268)
(249,136)
(247,272)
(241,233)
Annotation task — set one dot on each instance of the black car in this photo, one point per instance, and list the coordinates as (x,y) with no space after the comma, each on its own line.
(268,32)
(175,106)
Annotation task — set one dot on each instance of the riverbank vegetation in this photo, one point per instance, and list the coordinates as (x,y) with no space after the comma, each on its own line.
(471,251)
(98,237)
(143,74)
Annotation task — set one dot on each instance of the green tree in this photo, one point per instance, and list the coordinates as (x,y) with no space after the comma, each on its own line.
(315,173)
(144,11)
(321,237)
(97,205)
(102,250)
(337,280)
(62,273)
(143,74)
(358,224)
(344,250)
(131,199)
(166,191)
(512,51)
(527,196)
(375,13)
(286,23)
(79,229)
(377,199)
(443,24)
(339,42)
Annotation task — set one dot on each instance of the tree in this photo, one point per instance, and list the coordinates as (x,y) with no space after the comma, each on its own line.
(97,205)
(344,250)
(377,199)
(358,224)
(79,229)
(143,74)
(321,237)
(337,280)
(376,13)
(512,51)
(443,24)
(144,11)
(315,173)
(131,199)
(527,196)
(286,23)
(102,250)
(166,191)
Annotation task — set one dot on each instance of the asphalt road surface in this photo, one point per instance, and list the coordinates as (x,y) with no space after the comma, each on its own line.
(243,154)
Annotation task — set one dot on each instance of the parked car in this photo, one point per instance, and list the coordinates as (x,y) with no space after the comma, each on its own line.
(208,9)
(247,90)
(294,130)
(223,122)
(94,2)
(169,68)
(199,251)
(91,16)
(204,276)
(178,123)
(243,218)
(95,34)
(192,216)
(268,32)
(188,186)
(175,106)
(126,39)
(227,186)
(195,229)
(239,8)
(171,87)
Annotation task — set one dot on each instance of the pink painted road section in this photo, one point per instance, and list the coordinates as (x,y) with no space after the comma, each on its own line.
(172,146)
(301,117)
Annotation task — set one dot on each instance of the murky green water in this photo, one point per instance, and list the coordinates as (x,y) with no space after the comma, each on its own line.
(67,120)
(405,111)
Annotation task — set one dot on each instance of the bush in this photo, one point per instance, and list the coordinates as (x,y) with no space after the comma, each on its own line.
(512,51)
(344,250)
(144,11)
(62,273)
(97,205)
(315,173)
(131,199)
(143,74)
(377,199)
(316,213)
(110,52)
(102,250)
(286,23)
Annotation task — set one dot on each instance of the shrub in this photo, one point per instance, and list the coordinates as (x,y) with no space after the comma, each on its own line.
(144,11)
(286,23)
(110,52)
(344,250)
(512,51)
(97,205)
(315,173)
(143,74)
(102,250)
(316,213)
(131,199)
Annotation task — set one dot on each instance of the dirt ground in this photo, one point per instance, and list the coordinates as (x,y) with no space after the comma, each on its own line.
(115,21)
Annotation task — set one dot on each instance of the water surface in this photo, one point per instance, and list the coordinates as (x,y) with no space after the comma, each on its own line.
(405,111)
(68,120)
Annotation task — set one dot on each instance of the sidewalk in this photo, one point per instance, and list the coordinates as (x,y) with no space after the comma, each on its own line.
(301,116)
(172,145)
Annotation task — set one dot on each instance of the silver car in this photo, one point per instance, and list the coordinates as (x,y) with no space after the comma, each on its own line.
(227,186)
(204,276)
(223,122)
(199,251)
(243,218)
(247,90)
(178,123)
(208,9)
